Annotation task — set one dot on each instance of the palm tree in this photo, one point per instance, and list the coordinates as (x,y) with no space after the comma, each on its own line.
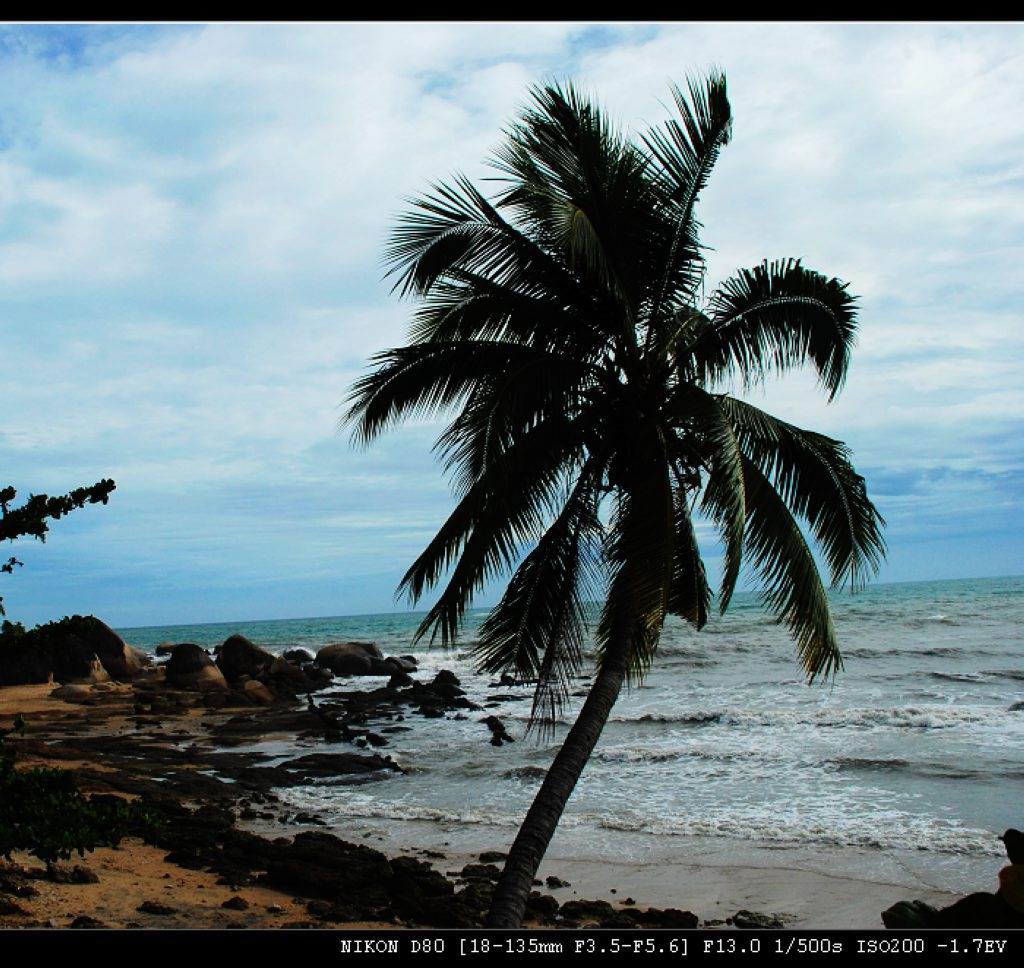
(564,324)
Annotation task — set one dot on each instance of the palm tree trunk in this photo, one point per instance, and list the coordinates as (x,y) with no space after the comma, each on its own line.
(516,882)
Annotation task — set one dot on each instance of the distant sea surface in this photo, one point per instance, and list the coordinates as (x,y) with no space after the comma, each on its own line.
(912,760)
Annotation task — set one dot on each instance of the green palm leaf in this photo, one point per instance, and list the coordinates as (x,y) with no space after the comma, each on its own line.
(537,629)
(777,315)
(792,587)
(814,476)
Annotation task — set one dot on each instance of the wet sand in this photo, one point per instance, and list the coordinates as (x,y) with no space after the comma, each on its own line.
(101,743)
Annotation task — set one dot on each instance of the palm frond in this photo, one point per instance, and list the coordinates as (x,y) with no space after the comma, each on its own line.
(686,150)
(575,182)
(500,514)
(690,596)
(777,315)
(537,629)
(639,552)
(791,585)
(813,474)
(456,229)
(421,379)
(693,411)
(469,306)
(504,407)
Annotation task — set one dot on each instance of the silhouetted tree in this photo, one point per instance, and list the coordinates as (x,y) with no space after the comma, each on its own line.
(32,519)
(565,320)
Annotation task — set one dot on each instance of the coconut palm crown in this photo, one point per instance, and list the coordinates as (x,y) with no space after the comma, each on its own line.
(563,323)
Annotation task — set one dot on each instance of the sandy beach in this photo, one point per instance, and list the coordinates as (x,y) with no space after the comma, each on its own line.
(114,750)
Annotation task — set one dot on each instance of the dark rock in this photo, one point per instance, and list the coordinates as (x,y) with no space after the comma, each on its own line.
(9,906)
(238,656)
(667,918)
(349,658)
(70,874)
(75,649)
(755,920)
(400,680)
(299,656)
(321,865)
(446,677)
(85,921)
(910,915)
(257,693)
(553,881)
(236,903)
(283,670)
(493,857)
(190,667)
(618,920)
(586,910)
(486,872)
(541,906)
(499,734)
(14,881)
(155,907)
(116,656)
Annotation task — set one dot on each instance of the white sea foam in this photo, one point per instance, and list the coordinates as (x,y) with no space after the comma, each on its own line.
(893,830)
(907,717)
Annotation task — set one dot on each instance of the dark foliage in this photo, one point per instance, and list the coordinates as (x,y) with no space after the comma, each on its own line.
(43,812)
(32,519)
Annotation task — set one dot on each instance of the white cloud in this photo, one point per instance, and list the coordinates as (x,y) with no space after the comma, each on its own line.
(191,224)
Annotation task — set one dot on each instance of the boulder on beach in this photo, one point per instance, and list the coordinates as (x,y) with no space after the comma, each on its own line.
(118,658)
(80,667)
(299,656)
(282,668)
(72,692)
(190,667)
(240,657)
(79,648)
(75,646)
(257,693)
(350,658)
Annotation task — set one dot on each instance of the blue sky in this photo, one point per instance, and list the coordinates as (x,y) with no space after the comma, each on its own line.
(191,224)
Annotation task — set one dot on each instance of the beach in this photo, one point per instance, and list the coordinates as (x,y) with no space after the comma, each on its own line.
(419,779)
(136,872)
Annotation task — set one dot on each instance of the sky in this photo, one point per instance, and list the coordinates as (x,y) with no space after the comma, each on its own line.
(192,221)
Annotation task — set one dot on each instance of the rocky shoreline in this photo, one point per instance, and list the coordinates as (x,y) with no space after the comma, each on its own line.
(173,735)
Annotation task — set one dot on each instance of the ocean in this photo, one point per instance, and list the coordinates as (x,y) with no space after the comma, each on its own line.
(903,769)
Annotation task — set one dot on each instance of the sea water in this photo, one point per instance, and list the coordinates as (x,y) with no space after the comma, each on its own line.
(909,762)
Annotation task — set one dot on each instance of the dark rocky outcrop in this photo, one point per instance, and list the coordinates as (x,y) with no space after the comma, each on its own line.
(190,667)
(79,648)
(349,658)
(362,659)
(755,920)
(584,911)
(87,921)
(155,907)
(237,656)
(298,656)
(499,734)
(119,659)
